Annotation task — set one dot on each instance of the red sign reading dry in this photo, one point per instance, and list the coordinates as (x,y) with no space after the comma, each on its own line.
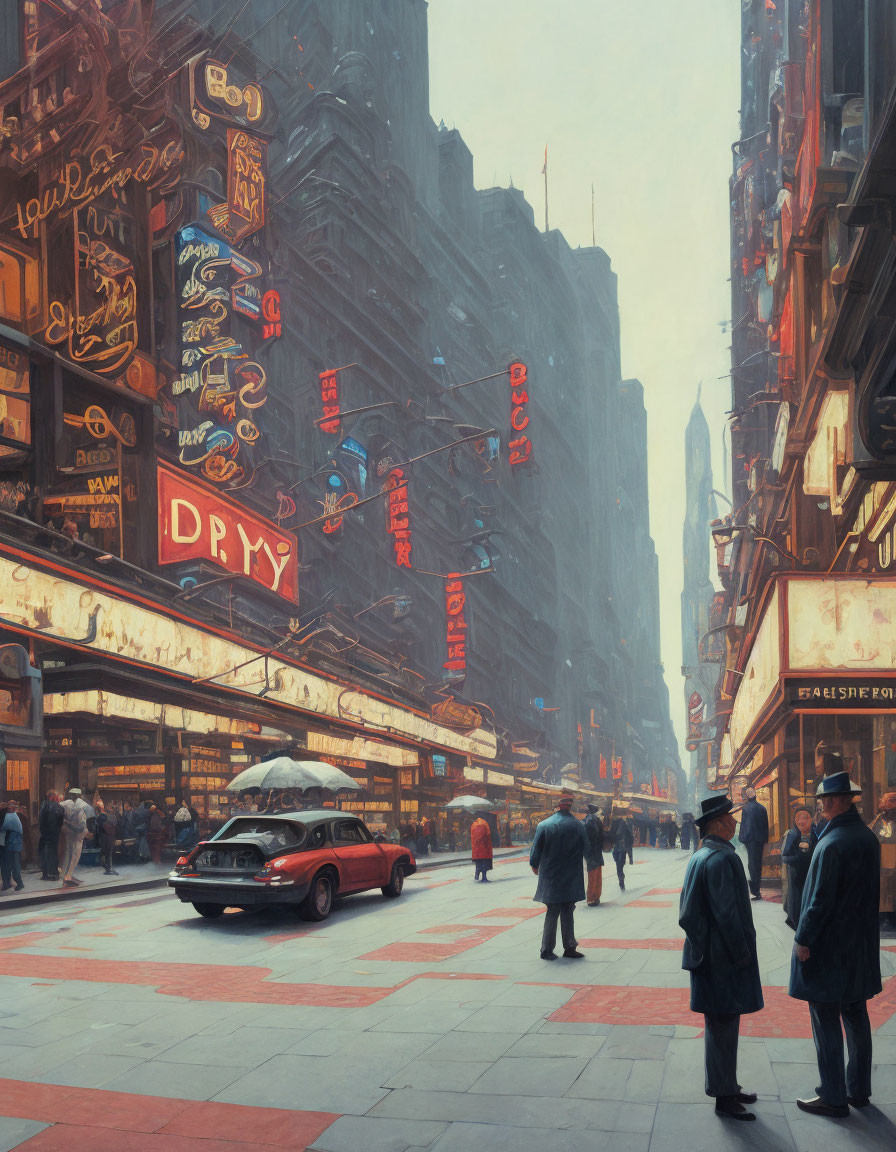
(195,524)
(399,524)
(456,632)
(329,394)
(520,446)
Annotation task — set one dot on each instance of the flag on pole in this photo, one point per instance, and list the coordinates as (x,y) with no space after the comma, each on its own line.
(544,170)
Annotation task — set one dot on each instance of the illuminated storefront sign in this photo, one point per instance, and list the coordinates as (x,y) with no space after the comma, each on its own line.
(53,605)
(270,312)
(245,183)
(456,625)
(696,712)
(399,524)
(361,749)
(520,445)
(329,395)
(217,93)
(198,525)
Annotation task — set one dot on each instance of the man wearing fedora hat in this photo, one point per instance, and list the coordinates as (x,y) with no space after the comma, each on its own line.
(720,952)
(836,956)
(558,850)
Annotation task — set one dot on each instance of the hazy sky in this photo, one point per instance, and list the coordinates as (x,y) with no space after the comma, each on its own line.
(639,97)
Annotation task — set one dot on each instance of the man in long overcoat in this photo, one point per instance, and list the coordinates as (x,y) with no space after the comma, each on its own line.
(481,846)
(594,861)
(754,837)
(623,841)
(558,850)
(836,956)
(720,952)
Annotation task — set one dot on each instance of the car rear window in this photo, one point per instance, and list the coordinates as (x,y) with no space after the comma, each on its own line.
(275,834)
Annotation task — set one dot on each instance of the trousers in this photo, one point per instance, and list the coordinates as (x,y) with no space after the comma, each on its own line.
(564,912)
(720,1053)
(71,853)
(619,855)
(754,863)
(828,1037)
(49,858)
(11,868)
(595,884)
(106,846)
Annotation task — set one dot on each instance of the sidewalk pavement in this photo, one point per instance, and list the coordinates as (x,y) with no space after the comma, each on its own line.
(136,877)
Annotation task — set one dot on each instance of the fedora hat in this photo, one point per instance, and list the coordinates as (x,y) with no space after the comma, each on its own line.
(565,799)
(714,807)
(837,784)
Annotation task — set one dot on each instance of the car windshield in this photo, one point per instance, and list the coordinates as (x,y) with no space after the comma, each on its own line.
(273,834)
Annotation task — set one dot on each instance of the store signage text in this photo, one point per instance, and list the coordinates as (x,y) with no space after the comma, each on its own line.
(270,311)
(520,445)
(456,624)
(329,395)
(399,524)
(848,694)
(198,525)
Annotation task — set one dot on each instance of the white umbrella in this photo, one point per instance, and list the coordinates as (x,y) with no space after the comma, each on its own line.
(296,775)
(470,803)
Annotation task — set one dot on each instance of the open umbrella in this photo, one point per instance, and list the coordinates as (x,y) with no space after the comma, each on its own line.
(470,804)
(296,775)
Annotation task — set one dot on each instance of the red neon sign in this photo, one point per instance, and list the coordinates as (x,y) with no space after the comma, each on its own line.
(520,446)
(455,602)
(270,310)
(399,524)
(329,394)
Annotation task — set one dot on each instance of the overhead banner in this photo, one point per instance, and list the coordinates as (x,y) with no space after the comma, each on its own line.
(195,524)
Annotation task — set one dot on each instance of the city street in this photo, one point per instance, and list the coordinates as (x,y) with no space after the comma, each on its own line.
(426,1022)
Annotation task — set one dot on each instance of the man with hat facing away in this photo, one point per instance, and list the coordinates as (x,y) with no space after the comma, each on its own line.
(560,846)
(720,952)
(836,956)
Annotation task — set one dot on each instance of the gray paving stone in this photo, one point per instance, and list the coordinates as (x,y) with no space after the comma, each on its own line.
(351,1133)
(635,1043)
(245,1048)
(439,1017)
(527,1075)
(88,1070)
(438,1075)
(795,1080)
(155,1078)
(472,1046)
(549,1044)
(14,1132)
(602,1079)
(561,1028)
(680,1127)
(307,1083)
(645,1081)
(501,1138)
(493,1019)
(323,1042)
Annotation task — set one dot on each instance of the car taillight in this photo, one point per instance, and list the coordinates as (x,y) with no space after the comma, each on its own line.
(182,861)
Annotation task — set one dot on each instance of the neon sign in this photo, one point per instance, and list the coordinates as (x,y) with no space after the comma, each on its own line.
(520,446)
(399,525)
(456,626)
(270,311)
(329,394)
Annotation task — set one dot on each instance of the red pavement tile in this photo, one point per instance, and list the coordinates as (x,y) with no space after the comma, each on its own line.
(663,892)
(649,904)
(429,887)
(269,1126)
(650,945)
(414,953)
(23,940)
(510,913)
(95,1118)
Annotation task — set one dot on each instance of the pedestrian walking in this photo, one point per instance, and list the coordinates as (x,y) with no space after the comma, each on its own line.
(630,824)
(754,836)
(595,858)
(836,956)
(560,846)
(155,833)
(796,854)
(183,826)
(11,863)
(720,952)
(106,833)
(481,843)
(623,841)
(49,823)
(74,831)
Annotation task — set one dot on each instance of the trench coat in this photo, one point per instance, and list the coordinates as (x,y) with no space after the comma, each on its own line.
(720,945)
(481,842)
(560,846)
(839,918)
(797,862)
(594,828)
(753,824)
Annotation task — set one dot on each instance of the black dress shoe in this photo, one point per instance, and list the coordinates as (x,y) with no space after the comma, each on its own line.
(747,1097)
(730,1106)
(817,1107)
(858,1101)
(549,955)
(572,954)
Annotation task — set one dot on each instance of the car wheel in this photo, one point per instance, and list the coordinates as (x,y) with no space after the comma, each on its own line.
(210,911)
(396,883)
(319,901)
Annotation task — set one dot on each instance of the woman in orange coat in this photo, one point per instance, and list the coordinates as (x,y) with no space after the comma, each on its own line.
(481,841)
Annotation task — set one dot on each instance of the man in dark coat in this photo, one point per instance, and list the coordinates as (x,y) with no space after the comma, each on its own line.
(558,850)
(836,956)
(754,837)
(594,861)
(720,952)
(623,841)
(49,822)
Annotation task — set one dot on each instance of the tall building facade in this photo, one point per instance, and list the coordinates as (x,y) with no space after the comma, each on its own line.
(805,558)
(350,433)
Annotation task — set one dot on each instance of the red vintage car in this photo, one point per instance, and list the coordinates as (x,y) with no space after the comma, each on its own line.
(304,859)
